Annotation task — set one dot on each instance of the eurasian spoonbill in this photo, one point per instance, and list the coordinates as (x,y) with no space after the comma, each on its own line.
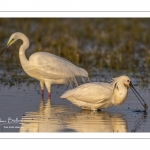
(100,95)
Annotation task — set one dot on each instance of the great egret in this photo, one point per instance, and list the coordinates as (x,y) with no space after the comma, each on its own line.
(99,95)
(46,67)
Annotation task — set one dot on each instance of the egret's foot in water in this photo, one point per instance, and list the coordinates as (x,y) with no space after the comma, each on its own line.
(49,95)
(42,93)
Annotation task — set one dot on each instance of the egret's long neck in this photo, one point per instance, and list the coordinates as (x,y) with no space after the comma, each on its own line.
(120,94)
(24,61)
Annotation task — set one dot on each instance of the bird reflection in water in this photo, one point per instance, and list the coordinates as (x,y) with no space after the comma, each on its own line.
(52,118)
(88,121)
(44,120)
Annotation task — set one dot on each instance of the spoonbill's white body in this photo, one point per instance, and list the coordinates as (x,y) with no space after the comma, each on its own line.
(46,67)
(99,95)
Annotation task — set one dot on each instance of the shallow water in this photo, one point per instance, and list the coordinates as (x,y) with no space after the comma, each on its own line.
(23,110)
(107,54)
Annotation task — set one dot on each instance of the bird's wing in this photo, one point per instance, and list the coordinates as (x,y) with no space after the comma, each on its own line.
(51,66)
(90,92)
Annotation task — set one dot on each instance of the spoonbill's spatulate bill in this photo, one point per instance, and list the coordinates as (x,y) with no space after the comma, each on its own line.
(99,95)
(46,67)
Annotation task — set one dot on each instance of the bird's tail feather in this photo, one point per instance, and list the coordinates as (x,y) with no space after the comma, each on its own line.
(67,94)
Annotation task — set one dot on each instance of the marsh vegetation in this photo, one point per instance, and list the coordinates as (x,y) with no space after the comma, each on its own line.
(112,45)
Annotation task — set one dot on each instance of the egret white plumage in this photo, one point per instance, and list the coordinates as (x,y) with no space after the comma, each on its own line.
(46,67)
(100,95)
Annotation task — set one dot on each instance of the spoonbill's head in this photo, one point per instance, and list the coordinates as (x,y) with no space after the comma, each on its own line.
(125,80)
(14,37)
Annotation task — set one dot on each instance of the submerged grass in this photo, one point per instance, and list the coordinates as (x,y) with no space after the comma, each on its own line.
(95,44)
